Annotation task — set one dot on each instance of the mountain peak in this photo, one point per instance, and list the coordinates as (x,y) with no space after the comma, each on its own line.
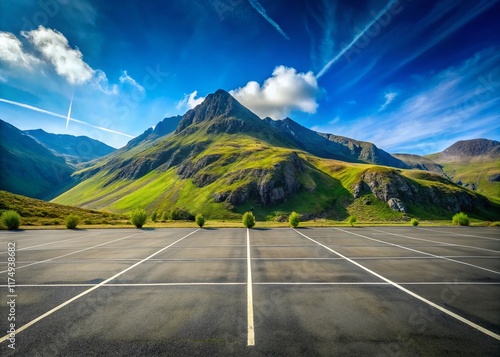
(222,107)
(468,149)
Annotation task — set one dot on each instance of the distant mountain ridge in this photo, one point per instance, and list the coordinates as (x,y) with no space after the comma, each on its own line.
(165,127)
(75,149)
(27,167)
(330,146)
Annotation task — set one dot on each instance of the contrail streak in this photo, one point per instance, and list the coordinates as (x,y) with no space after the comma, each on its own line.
(30,107)
(358,36)
(260,9)
(69,110)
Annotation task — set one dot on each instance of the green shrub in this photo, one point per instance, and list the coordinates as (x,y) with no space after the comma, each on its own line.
(200,220)
(139,217)
(414,222)
(294,220)
(248,220)
(460,219)
(71,221)
(351,220)
(11,219)
(495,224)
(179,214)
(154,216)
(164,216)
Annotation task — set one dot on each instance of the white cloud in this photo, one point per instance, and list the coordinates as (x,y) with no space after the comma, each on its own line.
(284,92)
(389,97)
(11,51)
(125,78)
(189,101)
(55,48)
(101,82)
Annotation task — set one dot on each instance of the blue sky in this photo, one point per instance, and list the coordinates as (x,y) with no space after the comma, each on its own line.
(409,76)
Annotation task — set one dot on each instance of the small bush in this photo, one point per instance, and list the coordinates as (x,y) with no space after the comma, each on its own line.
(164,216)
(71,221)
(294,220)
(139,217)
(11,219)
(248,220)
(460,219)
(351,220)
(179,214)
(200,220)
(414,222)
(495,224)
(154,216)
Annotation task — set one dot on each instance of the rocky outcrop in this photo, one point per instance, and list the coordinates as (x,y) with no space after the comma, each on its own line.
(494,178)
(397,205)
(398,191)
(270,186)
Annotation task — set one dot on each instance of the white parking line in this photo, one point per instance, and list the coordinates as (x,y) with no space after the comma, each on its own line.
(418,251)
(354,283)
(59,241)
(456,234)
(430,303)
(65,255)
(250,320)
(442,243)
(50,312)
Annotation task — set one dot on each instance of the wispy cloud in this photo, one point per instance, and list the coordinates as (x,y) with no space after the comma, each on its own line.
(389,97)
(40,110)
(260,9)
(356,38)
(125,78)
(322,14)
(189,101)
(455,103)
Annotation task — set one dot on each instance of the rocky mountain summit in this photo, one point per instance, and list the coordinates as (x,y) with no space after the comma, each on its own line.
(470,149)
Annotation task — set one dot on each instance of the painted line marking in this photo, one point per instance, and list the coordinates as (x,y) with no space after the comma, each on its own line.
(67,302)
(418,251)
(133,285)
(398,286)
(65,255)
(457,234)
(442,243)
(250,319)
(164,260)
(59,241)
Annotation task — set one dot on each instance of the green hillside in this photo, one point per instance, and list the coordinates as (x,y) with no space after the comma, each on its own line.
(40,213)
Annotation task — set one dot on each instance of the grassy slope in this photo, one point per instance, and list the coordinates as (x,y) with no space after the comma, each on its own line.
(477,173)
(40,213)
(474,171)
